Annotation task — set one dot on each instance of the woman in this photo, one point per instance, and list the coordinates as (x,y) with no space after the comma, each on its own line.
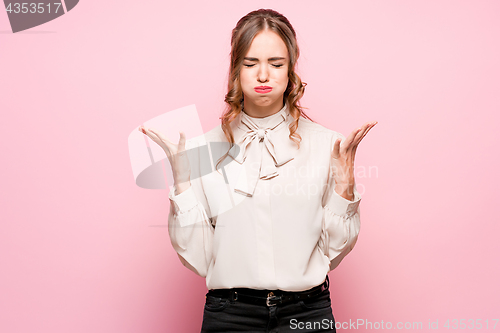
(282,209)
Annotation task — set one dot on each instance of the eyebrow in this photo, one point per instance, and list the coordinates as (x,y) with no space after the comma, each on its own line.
(270,59)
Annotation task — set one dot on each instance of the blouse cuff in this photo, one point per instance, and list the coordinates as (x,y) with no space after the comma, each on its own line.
(184,201)
(341,206)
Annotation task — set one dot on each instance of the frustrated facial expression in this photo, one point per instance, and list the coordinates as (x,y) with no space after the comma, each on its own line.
(264,74)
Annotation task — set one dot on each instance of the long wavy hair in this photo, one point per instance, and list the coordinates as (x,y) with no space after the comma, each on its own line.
(242,36)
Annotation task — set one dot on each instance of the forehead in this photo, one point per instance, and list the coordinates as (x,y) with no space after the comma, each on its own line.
(267,44)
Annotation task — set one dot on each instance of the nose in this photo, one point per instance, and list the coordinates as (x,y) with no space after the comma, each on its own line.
(263,75)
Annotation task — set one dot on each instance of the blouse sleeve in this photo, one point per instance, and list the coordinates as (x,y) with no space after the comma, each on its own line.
(189,222)
(340,225)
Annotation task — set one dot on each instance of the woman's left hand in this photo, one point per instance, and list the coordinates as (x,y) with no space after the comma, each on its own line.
(342,162)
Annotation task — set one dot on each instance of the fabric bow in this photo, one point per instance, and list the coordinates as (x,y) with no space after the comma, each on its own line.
(262,150)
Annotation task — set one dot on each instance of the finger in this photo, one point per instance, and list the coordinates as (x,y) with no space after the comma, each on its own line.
(366,127)
(367,130)
(348,142)
(182,141)
(353,154)
(355,141)
(161,137)
(336,148)
(147,132)
(163,142)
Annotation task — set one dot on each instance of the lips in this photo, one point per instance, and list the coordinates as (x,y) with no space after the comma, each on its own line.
(263,89)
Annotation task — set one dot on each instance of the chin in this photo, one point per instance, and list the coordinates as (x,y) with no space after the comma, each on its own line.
(265,101)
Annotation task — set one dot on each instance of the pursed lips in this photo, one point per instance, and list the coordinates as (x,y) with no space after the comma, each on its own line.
(263,89)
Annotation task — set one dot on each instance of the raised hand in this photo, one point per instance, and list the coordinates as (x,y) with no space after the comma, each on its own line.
(342,156)
(177,156)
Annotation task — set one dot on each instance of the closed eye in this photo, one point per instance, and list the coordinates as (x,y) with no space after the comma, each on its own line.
(276,66)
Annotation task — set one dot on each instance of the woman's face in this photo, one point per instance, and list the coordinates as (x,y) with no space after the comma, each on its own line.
(264,74)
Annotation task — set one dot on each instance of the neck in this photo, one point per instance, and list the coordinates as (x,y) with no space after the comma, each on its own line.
(259,111)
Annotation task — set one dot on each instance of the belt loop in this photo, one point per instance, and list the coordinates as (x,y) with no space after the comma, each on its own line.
(233,295)
(327,282)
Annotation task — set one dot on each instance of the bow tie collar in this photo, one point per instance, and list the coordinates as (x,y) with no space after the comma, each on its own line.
(264,147)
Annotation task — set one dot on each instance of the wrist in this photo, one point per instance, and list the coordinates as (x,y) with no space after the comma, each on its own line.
(344,181)
(181,187)
(346,191)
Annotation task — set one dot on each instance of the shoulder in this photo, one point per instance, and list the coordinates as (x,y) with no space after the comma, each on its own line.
(309,128)
(214,135)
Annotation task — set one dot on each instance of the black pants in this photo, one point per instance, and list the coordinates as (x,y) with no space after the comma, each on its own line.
(311,315)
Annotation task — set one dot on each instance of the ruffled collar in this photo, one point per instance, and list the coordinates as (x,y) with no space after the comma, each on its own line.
(263,145)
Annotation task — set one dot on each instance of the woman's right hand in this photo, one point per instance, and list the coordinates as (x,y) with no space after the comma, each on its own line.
(177,156)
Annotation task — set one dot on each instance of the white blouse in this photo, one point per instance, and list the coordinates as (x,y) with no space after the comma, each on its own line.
(269,218)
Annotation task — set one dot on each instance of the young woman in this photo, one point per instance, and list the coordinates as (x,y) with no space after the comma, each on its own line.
(281,210)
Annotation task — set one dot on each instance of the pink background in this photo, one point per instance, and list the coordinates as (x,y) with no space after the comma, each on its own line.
(83,249)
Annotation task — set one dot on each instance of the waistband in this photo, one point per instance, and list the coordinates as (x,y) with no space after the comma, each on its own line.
(268,297)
